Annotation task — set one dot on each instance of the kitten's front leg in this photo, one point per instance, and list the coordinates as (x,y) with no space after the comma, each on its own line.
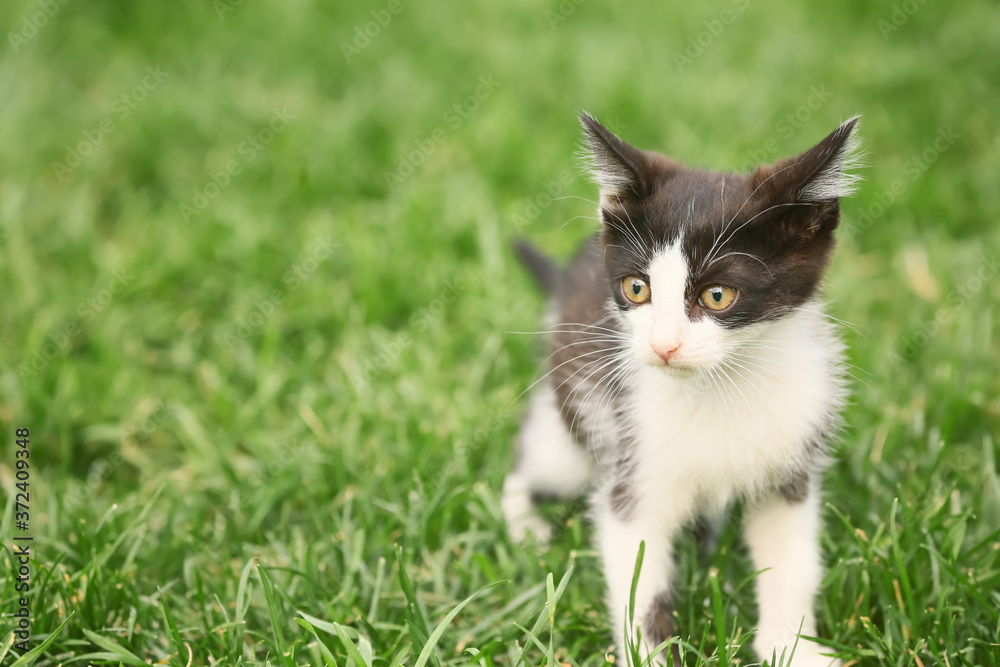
(620,536)
(782,532)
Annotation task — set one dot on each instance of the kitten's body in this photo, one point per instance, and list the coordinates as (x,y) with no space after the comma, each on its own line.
(672,409)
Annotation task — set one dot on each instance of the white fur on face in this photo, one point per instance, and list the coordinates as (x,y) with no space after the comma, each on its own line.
(664,321)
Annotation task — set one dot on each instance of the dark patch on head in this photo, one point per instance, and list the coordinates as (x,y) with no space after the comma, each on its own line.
(659,625)
(766,234)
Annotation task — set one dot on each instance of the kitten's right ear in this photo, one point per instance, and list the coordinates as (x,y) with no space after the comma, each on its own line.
(622,171)
(813,182)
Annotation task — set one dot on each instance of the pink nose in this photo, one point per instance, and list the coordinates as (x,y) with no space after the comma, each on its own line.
(664,351)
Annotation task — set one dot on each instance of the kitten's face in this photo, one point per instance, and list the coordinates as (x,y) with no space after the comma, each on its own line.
(702,263)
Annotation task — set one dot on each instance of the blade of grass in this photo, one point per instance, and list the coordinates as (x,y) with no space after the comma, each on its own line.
(31,656)
(242,605)
(435,637)
(629,621)
(540,621)
(376,590)
(517,602)
(401,655)
(328,658)
(112,650)
(348,644)
(274,612)
(415,620)
(168,618)
(550,592)
(720,617)
(900,563)
(534,640)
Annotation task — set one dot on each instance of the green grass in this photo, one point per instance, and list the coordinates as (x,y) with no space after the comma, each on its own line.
(212,483)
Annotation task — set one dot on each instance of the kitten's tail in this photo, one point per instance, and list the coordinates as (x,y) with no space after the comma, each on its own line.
(545,271)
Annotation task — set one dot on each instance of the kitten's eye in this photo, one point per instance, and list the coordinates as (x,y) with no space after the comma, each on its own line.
(636,290)
(717,297)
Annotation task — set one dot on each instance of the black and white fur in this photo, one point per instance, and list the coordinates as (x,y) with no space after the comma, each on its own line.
(744,405)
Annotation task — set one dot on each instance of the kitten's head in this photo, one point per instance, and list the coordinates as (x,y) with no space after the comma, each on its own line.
(701,261)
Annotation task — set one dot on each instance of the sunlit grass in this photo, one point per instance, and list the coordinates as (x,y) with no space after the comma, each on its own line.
(273,430)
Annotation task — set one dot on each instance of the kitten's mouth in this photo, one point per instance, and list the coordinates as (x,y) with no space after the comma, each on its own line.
(676,370)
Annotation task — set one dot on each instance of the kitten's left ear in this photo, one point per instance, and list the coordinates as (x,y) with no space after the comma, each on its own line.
(622,171)
(813,183)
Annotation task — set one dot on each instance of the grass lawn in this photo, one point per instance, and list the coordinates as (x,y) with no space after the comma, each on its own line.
(257,295)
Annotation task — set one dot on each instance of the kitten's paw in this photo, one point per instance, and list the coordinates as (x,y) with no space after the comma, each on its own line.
(519,511)
(520,527)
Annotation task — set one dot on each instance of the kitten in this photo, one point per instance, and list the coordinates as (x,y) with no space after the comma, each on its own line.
(692,365)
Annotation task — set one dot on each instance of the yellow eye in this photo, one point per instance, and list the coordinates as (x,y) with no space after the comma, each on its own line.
(717,297)
(636,290)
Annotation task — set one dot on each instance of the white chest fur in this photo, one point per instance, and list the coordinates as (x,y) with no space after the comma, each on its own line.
(729,434)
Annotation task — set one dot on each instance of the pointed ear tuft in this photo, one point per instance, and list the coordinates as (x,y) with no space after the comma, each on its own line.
(815,180)
(821,175)
(618,168)
(832,162)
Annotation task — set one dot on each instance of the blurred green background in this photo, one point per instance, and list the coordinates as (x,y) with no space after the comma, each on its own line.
(257,291)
